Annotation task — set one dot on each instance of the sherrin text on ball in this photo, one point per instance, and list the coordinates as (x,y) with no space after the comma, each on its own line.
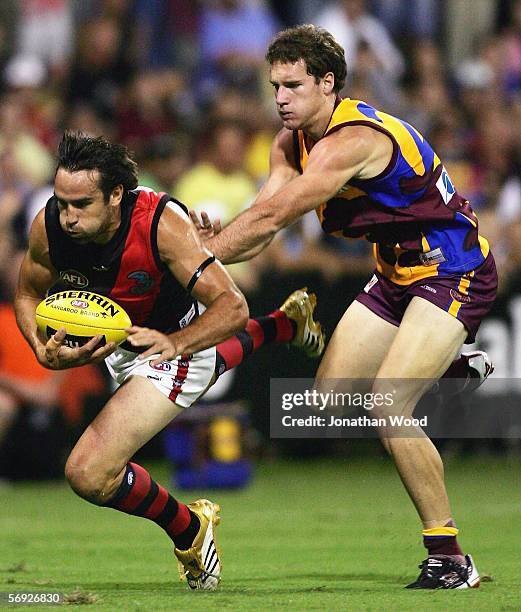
(83,314)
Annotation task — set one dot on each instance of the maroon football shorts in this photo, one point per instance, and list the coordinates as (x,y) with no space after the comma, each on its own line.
(468,297)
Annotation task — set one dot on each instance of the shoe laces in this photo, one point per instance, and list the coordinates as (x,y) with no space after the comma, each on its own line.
(442,569)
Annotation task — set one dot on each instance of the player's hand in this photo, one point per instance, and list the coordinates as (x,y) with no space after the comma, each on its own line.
(59,357)
(157,343)
(204,226)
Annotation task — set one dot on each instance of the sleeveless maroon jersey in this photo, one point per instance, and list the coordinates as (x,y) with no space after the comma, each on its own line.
(128,268)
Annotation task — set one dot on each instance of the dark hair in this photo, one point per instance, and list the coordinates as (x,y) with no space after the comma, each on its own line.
(78,151)
(315,46)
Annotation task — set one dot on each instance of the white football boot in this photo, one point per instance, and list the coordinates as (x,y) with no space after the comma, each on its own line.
(480,367)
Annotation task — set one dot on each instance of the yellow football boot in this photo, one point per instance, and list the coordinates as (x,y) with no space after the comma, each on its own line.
(299,307)
(200,565)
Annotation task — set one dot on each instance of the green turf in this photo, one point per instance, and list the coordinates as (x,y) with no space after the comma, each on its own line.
(326,535)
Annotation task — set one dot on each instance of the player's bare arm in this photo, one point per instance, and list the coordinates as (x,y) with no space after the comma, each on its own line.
(181,249)
(282,171)
(282,166)
(37,274)
(351,152)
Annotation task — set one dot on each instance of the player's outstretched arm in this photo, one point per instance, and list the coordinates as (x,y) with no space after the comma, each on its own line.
(282,171)
(37,274)
(208,228)
(332,162)
(181,249)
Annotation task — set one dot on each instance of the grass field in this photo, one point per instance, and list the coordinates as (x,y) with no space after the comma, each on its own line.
(325,535)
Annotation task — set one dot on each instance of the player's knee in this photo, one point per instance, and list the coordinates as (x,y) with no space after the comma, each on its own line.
(86,480)
(393,398)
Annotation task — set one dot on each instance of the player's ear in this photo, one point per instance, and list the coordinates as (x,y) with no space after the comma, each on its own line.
(328,83)
(116,195)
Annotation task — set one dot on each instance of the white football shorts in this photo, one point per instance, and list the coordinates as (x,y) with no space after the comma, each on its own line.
(181,380)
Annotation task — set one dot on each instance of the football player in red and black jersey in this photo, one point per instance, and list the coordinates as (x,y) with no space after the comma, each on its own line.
(103,233)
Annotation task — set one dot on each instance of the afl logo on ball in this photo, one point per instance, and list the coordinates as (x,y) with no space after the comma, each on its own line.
(79,304)
(459,297)
(74,278)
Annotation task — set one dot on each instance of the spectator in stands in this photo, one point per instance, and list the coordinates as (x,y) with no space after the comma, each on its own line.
(101,67)
(381,86)
(218,182)
(256,114)
(8,20)
(33,164)
(512,65)
(352,25)
(233,36)
(26,80)
(46,31)
(412,18)
(165,34)
(83,116)
(146,110)
(165,159)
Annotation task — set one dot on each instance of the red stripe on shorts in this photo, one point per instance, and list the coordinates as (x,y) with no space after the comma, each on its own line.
(180,377)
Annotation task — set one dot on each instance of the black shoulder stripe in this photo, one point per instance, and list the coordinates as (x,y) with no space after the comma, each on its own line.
(153,229)
(155,222)
(51,228)
(183,206)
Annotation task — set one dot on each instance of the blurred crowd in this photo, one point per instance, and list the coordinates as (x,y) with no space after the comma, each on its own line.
(183,83)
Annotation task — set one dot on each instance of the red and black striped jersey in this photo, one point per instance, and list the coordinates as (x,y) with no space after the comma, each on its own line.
(128,269)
